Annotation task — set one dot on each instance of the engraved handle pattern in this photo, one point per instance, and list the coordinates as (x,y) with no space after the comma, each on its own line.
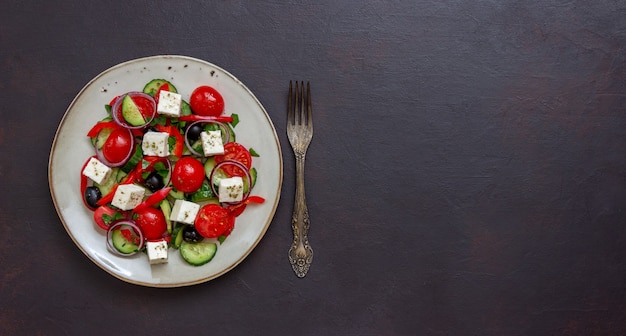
(300,252)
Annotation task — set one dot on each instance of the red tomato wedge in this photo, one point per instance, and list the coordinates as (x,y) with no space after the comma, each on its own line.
(214,221)
(145,106)
(235,151)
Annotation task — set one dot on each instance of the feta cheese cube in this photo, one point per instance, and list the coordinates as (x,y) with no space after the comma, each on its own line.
(155,144)
(184,212)
(128,196)
(157,251)
(212,143)
(97,171)
(169,104)
(231,189)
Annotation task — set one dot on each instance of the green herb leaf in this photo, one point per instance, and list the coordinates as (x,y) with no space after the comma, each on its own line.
(159,120)
(253,152)
(161,169)
(171,141)
(235,119)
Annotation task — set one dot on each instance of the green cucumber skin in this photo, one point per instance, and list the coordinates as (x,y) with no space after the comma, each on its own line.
(177,194)
(177,236)
(166,208)
(131,113)
(108,184)
(134,160)
(102,137)
(198,254)
(121,244)
(153,86)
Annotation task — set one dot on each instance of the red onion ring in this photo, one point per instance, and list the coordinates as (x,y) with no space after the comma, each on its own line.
(121,223)
(116,111)
(238,165)
(219,124)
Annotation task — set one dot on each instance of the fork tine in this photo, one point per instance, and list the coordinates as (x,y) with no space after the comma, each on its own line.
(309,118)
(298,104)
(292,103)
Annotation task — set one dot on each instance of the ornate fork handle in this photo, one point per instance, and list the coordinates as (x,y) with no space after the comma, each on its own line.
(300,252)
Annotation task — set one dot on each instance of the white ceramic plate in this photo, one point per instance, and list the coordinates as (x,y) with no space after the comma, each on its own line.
(71,148)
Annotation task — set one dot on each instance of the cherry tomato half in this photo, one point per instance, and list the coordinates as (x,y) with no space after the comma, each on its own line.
(118,145)
(152,223)
(214,221)
(188,174)
(206,101)
(235,151)
(103,216)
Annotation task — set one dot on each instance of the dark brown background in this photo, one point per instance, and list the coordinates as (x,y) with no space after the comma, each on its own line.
(467,174)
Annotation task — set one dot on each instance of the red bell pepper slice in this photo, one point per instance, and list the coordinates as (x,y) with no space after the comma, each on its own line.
(237,209)
(93,132)
(153,199)
(195,117)
(173,132)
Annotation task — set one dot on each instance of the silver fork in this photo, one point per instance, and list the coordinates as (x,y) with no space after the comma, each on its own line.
(300,132)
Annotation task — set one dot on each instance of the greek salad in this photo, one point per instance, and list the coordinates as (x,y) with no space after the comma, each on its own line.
(167,175)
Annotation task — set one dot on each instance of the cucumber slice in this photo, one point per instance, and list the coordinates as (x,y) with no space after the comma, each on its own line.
(102,137)
(153,86)
(218,176)
(198,254)
(120,176)
(185,108)
(131,113)
(176,194)
(134,160)
(166,207)
(208,166)
(121,243)
(178,236)
(108,184)
(246,184)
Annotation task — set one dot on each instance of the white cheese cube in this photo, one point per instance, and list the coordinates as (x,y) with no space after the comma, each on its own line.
(231,189)
(97,171)
(155,144)
(157,251)
(184,212)
(212,143)
(169,104)
(128,196)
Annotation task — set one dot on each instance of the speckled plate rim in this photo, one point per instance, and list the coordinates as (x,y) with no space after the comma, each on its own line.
(71,147)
